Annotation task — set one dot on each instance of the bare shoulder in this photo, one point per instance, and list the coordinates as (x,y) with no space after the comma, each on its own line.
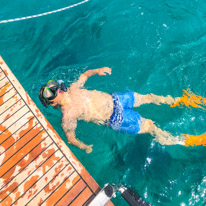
(69,119)
(75,86)
(69,114)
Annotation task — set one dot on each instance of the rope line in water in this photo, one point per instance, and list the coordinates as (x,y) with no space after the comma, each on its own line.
(43,14)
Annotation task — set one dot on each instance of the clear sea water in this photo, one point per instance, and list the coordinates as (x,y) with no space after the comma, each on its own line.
(154,46)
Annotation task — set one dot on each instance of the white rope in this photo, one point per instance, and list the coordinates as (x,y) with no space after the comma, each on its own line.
(43,14)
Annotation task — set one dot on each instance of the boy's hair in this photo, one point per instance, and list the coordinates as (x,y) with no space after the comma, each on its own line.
(44,101)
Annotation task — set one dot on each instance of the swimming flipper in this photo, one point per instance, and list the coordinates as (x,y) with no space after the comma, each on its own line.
(194,140)
(190,99)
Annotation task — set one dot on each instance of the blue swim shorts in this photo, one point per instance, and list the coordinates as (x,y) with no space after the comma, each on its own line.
(124,119)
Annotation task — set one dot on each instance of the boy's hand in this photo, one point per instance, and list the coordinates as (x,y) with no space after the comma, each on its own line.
(104,70)
(89,149)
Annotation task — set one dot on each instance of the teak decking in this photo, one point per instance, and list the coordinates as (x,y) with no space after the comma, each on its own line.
(36,166)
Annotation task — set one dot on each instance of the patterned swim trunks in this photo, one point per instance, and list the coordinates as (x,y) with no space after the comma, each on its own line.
(123,118)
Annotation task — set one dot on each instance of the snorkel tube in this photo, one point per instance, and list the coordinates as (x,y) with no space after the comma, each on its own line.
(61,85)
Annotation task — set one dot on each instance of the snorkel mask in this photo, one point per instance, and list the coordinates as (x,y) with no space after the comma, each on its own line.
(50,91)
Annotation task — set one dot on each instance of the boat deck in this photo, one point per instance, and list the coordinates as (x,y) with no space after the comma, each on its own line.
(36,166)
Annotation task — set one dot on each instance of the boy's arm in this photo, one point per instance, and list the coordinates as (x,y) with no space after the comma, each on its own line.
(73,140)
(83,77)
(69,129)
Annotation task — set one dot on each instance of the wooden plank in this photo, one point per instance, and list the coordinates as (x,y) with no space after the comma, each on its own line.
(23,110)
(5,89)
(3,82)
(82,198)
(5,133)
(90,181)
(21,153)
(1,76)
(6,93)
(23,183)
(25,189)
(31,168)
(9,103)
(14,138)
(36,155)
(33,191)
(72,193)
(11,111)
(21,143)
(63,172)
(66,185)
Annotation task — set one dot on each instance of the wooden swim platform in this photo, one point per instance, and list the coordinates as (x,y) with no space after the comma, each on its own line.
(36,166)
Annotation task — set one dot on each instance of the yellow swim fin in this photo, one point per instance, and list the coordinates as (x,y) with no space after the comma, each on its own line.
(189,99)
(194,140)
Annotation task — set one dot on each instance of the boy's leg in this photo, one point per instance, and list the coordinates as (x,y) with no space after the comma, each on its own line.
(152,98)
(163,137)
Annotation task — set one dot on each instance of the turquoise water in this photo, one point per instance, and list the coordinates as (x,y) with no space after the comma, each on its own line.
(152,47)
